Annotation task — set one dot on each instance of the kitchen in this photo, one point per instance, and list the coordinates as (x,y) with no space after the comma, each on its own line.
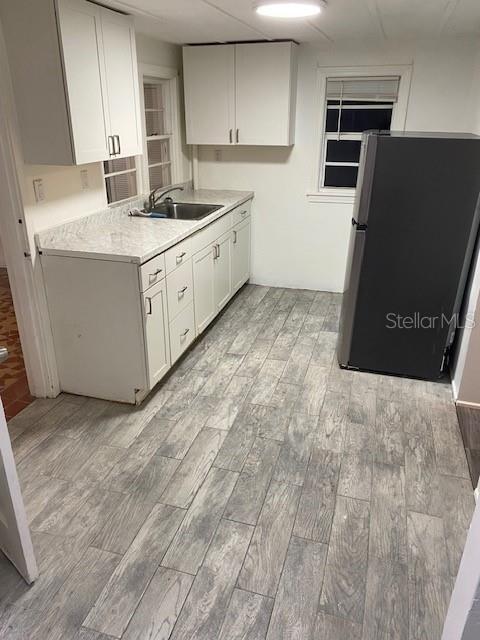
(187,393)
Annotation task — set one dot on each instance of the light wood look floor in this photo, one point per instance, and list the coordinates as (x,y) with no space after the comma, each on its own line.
(260,493)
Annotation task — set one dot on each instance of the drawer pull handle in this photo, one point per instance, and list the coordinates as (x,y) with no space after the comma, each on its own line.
(149,309)
(183,335)
(243,213)
(231,136)
(234,237)
(182,291)
(238,136)
(181,256)
(156,272)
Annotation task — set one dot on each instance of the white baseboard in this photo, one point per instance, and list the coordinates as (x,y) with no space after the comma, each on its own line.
(463,403)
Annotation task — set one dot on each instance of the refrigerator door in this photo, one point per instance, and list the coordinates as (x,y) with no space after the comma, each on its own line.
(422,225)
(356,246)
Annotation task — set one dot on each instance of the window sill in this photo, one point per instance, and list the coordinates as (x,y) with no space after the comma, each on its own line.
(332,196)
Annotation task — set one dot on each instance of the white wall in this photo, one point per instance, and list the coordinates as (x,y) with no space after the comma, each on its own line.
(466,371)
(463,616)
(64,199)
(298,243)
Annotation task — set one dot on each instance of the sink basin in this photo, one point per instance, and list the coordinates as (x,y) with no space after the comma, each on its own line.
(185,210)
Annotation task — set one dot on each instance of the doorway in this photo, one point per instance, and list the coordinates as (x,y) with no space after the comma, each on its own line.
(14,388)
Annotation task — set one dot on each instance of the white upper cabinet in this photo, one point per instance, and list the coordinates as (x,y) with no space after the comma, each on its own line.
(265,100)
(209,77)
(81,35)
(74,74)
(240,94)
(121,76)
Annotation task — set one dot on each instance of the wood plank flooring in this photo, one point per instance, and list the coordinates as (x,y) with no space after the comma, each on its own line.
(260,493)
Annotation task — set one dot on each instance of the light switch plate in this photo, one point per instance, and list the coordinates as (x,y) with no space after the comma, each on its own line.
(38,190)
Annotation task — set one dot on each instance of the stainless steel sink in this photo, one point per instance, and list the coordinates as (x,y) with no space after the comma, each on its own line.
(184,210)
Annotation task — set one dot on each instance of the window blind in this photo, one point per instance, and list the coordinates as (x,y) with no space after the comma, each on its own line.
(375,89)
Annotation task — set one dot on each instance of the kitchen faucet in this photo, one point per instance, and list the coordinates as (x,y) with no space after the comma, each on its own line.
(152,199)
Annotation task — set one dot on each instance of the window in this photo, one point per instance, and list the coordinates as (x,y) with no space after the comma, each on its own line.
(161,162)
(120,179)
(353,105)
(159,132)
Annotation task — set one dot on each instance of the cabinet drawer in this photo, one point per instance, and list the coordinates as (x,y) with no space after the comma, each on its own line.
(210,234)
(152,272)
(178,255)
(242,212)
(179,289)
(182,332)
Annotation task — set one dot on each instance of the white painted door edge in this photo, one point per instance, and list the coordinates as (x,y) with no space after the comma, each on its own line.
(24,271)
(15,540)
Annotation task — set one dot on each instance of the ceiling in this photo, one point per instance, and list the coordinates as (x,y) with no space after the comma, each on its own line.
(188,21)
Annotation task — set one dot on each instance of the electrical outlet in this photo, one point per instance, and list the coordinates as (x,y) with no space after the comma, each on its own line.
(218,155)
(38,190)
(84,180)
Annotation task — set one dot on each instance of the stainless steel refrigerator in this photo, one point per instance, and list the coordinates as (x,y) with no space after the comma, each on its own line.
(414,231)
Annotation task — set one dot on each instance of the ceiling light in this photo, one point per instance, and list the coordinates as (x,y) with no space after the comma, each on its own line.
(289,8)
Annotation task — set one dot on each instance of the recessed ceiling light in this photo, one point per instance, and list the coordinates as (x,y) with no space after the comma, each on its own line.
(289,8)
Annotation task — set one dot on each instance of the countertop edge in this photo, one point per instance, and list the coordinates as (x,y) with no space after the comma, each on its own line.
(141,259)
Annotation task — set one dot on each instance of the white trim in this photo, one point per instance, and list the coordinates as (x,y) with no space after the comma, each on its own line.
(119,173)
(157,71)
(399,115)
(332,195)
(463,403)
(26,280)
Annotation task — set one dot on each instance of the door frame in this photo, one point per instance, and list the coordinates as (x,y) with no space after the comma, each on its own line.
(23,265)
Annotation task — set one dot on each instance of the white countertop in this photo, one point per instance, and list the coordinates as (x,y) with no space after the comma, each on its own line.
(114,235)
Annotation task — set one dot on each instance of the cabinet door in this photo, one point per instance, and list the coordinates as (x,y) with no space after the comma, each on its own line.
(223,270)
(156,333)
(121,74)
(265,84)
(209,94)
(240,254)
(81,38)
(203,288)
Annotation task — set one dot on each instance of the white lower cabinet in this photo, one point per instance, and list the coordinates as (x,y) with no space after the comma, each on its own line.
(156,333)
(203,287)
(240,254)
(222,277)
(182,332)
(118,327)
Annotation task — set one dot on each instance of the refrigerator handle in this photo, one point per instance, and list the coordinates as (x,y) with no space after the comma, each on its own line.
(360,227)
